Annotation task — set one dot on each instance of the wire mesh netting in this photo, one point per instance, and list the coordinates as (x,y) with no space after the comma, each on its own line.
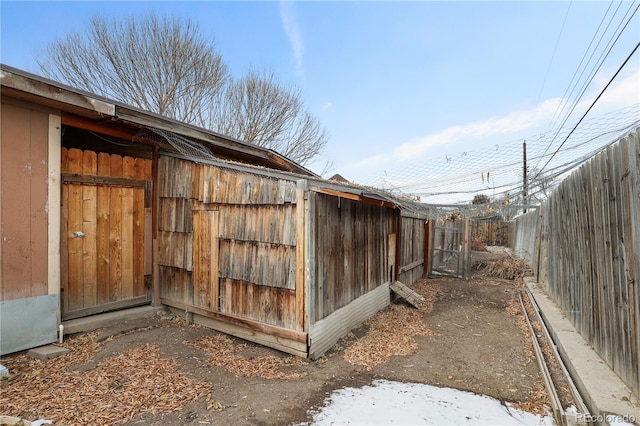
(190,150)
(497,170)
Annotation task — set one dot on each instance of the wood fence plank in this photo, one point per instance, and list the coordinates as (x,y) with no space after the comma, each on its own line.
(104,165)
(89,228)
(300,278)
(634,255)
(599,302)
(115,231)
(139,229)
(74,161)
(64,154)
(127,237)
(103,239)
(75,247)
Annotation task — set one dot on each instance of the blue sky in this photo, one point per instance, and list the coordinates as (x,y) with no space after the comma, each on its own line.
(394,83)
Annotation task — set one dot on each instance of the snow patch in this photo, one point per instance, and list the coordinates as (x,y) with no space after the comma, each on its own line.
(394,403)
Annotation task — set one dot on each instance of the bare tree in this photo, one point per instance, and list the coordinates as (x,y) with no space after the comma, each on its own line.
(480,199)
(164,65)
(258,109)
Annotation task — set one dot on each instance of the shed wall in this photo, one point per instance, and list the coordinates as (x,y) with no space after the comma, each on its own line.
(349,246)
(256,239)
(23,207)
(29,228)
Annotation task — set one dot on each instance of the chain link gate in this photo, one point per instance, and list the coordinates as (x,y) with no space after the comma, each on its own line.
(451,248)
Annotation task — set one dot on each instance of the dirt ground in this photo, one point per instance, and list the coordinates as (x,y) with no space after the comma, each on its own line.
(474,343)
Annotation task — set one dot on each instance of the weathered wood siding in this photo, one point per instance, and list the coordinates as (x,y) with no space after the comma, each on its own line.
(589,253)
(524,236)
(255,239)
(490,232)
(412,250)
(349,251)
(23,203)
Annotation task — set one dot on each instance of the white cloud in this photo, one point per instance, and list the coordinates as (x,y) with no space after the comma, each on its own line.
(292,30)
(514,122)
(327,105)
(623,92)
(511,123)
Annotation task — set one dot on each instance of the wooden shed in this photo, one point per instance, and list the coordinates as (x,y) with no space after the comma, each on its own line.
(105,207)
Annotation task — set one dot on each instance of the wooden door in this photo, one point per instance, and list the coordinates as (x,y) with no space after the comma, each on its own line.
(103,233)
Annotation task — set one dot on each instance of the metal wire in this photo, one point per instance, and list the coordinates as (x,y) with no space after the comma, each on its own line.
(190,150)
(496,171)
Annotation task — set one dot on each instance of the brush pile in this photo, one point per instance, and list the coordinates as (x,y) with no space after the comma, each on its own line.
(507,268)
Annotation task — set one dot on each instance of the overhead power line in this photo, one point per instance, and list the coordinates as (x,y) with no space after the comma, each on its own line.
(571,87)
(457,177)
(590,107)
(555,47)
(603,56)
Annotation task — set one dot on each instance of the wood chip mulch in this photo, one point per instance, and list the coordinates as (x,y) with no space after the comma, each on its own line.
(118,389)
(225,353)
(391,332)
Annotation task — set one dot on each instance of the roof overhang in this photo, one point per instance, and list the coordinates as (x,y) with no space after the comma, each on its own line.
(101,115)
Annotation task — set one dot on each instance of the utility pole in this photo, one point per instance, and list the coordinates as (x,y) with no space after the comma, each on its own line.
(524,176)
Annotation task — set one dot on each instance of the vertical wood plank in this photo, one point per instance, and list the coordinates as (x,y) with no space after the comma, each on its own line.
(103,231)
(148,241)
(75,295)
(115,232)
(127,236)
(89,228)
(75,248)
(300,293)
(64,153)
(205,262)
(139,230)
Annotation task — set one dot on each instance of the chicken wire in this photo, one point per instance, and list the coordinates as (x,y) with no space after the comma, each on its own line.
(190,150)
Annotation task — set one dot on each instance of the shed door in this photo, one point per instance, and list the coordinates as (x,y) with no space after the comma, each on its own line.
(103,241)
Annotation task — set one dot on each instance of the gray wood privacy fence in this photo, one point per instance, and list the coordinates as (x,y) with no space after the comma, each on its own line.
(587,253)
(412,249)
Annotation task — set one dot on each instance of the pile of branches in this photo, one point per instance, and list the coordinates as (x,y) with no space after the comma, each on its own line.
(508,268)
